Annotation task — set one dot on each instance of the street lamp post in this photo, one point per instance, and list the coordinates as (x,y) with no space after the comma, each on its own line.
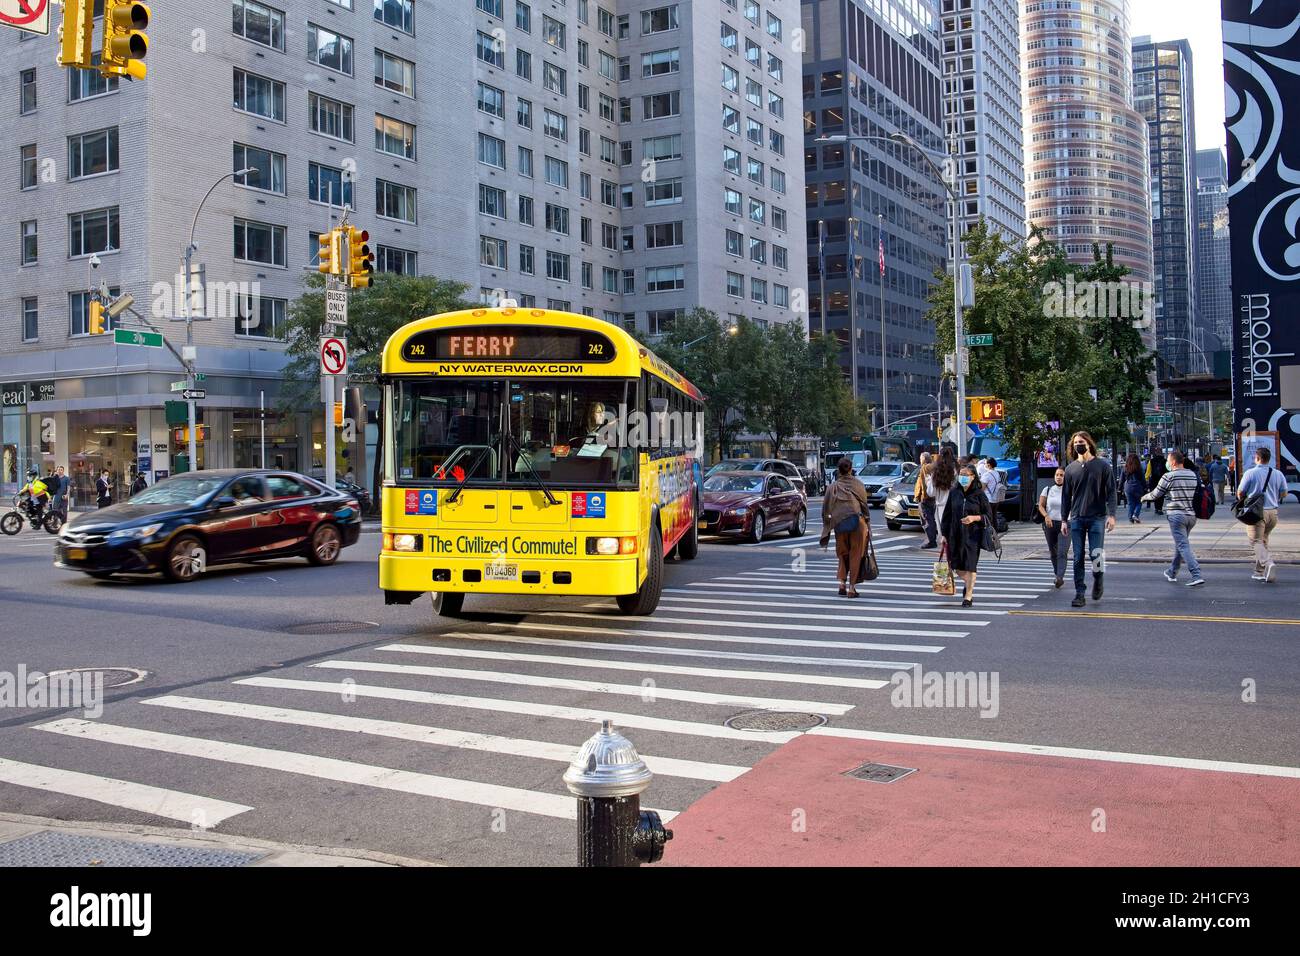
(732,329)
(900,138)
(189,310)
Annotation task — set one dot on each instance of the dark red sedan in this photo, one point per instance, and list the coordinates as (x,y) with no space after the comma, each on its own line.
(750,504)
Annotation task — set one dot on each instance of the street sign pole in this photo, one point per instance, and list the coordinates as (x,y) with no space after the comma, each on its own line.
(336,315)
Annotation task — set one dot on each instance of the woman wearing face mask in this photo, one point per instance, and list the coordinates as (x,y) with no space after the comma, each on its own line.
(1054,529)
(963,528)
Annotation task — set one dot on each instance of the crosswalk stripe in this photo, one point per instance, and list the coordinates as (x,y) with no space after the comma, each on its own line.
(897,585)
(400,730)
(897,631)
(324,768)
(600,663)
(189,808)
(895,569)
(902,579)
(712,638)
(893,547)
(666,725)
(801,542)
(849,611)
(857,606)
(786,590)
(595,687)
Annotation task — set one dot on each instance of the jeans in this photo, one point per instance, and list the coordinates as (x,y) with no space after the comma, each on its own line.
(1094,531)
(1058,546)
(1180,526)
(1133,495)
(928,520)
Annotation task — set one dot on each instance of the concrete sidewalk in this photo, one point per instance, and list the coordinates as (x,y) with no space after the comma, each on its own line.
(1221,538)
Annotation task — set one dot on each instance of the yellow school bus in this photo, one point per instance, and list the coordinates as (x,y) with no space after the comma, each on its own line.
(530,451)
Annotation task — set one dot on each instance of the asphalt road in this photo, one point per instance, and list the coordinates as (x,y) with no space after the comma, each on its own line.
(446,740)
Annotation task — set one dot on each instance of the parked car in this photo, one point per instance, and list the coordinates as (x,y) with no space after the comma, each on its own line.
(750,504)
(183,525)
(356,491)
(880,477)
(777,466)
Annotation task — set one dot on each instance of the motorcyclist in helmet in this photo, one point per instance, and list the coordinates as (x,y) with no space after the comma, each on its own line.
(36,492)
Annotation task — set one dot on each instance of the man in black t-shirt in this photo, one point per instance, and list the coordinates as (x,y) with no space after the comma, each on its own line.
(1088,507)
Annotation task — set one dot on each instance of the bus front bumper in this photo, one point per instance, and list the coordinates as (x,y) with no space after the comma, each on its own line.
(592,576)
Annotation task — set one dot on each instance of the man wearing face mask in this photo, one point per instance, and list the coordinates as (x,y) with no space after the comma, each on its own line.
(1088,507)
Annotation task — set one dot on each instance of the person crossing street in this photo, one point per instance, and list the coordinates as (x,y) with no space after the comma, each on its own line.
(1270,484)
(1088,506)
(923,492)
(1178,489)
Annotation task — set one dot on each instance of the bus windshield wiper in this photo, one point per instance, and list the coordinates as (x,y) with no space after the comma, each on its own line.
(527,460)
(468,473)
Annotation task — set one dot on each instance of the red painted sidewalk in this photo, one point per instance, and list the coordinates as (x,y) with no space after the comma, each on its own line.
(970,807)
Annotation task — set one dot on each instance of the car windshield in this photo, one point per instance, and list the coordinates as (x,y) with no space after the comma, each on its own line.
(833,459)
(735,483)
(881,469)
(181,490)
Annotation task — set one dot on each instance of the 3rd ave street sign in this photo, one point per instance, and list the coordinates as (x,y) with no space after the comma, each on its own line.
(153,340)
(30,15)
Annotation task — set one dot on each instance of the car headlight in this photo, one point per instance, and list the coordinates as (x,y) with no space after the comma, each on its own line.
(135,534)
(895,497)
(737,511)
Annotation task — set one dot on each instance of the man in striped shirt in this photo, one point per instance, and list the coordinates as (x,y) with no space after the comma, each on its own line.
(1178,489)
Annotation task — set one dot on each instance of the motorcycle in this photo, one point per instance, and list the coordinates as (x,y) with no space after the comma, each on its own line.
(24,508)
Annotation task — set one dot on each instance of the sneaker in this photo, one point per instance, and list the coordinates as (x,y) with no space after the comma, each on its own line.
(1060,582)
(1096,587)
(1257,576)
(1171,577)
(1078,600)
(1270,572)
(927,547)
(1195,582)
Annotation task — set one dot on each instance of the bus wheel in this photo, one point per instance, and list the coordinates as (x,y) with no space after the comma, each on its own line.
(689,546)
(448,603)
(646,598)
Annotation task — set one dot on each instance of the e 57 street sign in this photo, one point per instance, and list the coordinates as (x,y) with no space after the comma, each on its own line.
(153,340)
(985,338)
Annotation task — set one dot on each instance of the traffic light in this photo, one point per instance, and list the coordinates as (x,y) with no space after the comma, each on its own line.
(75,34)
(986,409)
(125,43)
(96,318)
(331,252)
(359,258)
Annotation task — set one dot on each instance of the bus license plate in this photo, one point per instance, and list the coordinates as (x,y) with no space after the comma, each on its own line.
(501,572)
(76,554)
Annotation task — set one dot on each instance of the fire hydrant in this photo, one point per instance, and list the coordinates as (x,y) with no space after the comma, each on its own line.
(608,777)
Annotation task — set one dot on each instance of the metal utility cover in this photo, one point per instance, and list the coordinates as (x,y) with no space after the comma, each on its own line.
(879,772)
(69,849)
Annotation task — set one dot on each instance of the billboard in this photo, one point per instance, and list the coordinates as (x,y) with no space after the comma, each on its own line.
(1261,53)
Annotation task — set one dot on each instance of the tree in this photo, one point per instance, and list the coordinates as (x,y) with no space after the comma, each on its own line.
(799,388)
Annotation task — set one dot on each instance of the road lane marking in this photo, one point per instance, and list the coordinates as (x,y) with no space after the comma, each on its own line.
(665,725)
(440,736)
(898,631)
(1162,617)
(599,663)
(594,687)
(157,801)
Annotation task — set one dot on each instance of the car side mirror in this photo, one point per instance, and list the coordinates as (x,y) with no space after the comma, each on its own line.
(225,501)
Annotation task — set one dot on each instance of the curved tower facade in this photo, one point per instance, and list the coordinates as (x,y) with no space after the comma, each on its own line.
(1086,154)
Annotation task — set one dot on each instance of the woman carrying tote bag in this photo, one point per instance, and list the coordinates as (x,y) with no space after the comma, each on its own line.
(842,512)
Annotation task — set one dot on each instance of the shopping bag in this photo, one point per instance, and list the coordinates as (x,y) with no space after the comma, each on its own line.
(942,581)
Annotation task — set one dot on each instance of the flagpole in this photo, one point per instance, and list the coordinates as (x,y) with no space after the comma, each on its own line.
(884,353)
(821,267)
(853,310)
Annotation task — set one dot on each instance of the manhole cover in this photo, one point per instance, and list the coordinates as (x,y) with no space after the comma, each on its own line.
(774,720)
(66,849)
(879,772)
(331,627)
(113,676)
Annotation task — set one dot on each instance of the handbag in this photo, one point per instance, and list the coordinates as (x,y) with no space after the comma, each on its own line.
(1251,511)
(1038,516)
(941,579)
(848,524)
(989,539)
(868,569)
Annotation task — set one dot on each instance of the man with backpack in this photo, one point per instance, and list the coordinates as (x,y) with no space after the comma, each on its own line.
(1182,493)
(1261,490)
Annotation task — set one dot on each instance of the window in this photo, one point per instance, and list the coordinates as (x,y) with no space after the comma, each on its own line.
(751,11)
(754,170)
(525,162)
(584,54)
(27,91)
(491,7)
(624,69)
(395,201)
(608,193)
(730,38)
(661,62)
(777,180)
(730,79)
(30,244)
(625,153)
(328,185)
(524,114)
(757,250)
(731,201)
(557,266)
(259,96)
(780,257)
(624,109)
(775,68)
(776,142)
(492,252)
(606,107)
(490,100)
(526,263)
(754,92)
(526,210)
(394,73)
(555,125)
(400,262)
(665,279)
(345,4)
(609,236)
(84,84)
(731,160)
(394,137)
(735,285)
(659,105)
(778,218)
(586,275)
(773,26)
(79,311)
(524,65)
(608,151)
(28,173)
(584,185)
(609,280)
(92,154)
(754,131)
(329,49)
(487,50)
(263,318)
(492,201)
(270,168)
(758,290)
(92,232)
(523,16)
(605,22)
(781,296)
(259,242)
(330,117)
(259,23)
(757,210)
(730,119)
(606,66)
(553,32)
(662,147)
(396,13)
(557,172)
(557,219)
(659,19)
(753,52)
(30,320)
(554,78)
(662,192)
(661,321)
(735,244)
(629,282)
(663,235)
(491,151)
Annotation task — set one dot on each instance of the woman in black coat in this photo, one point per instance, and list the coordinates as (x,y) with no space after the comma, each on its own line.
(963,528)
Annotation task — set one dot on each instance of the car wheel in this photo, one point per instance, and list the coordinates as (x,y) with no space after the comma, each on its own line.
(448,603)
(53,522)
(326,543)
(646,598)
(11,523)
(689,547)
(186,559)
(893,525)
(799,525)
(758,529)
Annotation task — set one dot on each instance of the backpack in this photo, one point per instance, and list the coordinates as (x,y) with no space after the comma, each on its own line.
(1202,500)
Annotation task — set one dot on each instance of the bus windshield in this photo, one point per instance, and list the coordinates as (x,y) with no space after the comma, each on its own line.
(518,431)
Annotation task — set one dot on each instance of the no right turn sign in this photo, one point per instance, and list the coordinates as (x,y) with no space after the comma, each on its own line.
(30,15)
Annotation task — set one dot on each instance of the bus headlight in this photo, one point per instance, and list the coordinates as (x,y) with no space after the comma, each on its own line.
(624,545)
(403,542)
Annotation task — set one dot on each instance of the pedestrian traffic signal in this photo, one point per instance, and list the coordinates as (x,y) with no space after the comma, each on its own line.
(76,34)
(331,252)
(96,318)
(125,43)
(984,410)
(359,258)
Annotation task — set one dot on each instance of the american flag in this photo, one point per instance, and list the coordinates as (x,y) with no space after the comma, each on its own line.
(882,251)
